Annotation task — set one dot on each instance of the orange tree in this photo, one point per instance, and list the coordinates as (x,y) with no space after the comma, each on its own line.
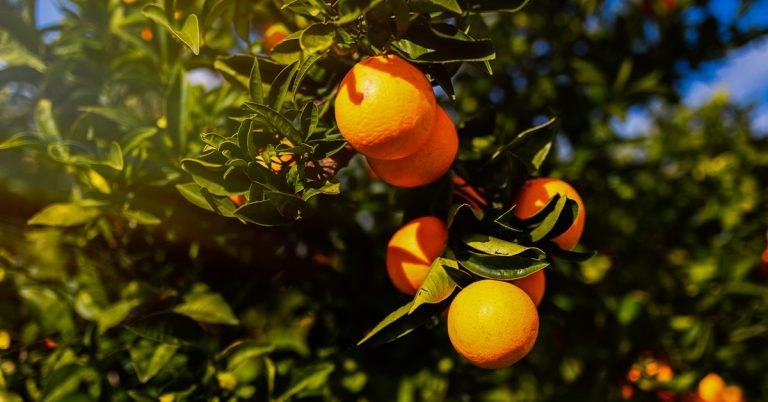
(167,236)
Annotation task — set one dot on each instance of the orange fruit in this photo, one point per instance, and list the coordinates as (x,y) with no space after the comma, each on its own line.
(237,199)
(732,394)
(385,107)
(533,285)
(627,391)
(426,164)
(536,193)
(411,251)
(493,324)
(274,33)
(634,373)
(711,387)
(146,34)
(665,373)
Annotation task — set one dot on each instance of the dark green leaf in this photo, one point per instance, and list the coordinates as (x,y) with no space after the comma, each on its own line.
(254,83)
(426,42)
(400,323)
(317,38)
(428,6)
(305,66)
(500,268)
(310,377)
(308,119)
(280,86)
(350,10)
(149,358)
(277,122)
(168,328)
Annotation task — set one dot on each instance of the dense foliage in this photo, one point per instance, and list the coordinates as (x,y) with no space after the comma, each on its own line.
(127,272)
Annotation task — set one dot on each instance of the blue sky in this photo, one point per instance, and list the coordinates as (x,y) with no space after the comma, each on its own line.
(743,73)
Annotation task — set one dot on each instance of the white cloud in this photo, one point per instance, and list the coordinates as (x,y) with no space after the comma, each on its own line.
(744,75)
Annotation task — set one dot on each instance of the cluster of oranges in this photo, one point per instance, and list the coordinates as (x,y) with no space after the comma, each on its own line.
(651,374)
(712,388)
(386,110)
(492,323)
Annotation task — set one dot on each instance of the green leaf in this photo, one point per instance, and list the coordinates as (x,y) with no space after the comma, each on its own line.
(49,310)
(67,381)
(495,246)
(17,140)
(546,218)
(122,117)
(327,188)
(277,122)
(427,42)
(189,33)
(255,91)
(137,138)
(437,286)
(177,109)
(553,219)
(280,85)
(142,217)
(350,10)
(308,119)
(308,378)
(168,328)
(504,6)
(305,67)
(528,145)
(149,358)
(62,153)
(212,178)
(400,323)
(65,215)
(192,193)
(500,267)
(428,6)
(113,315)
(317,38)
(46,125)
(20,29)
(245,351)
(208,307)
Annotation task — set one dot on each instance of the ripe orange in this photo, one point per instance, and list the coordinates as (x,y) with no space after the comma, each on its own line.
(627,391)
(426,164)
(273,33)
(535,194)
(493,324)
(146,34)
(411,251)
(732,394)
(237,199)
(385,107)
(533,285)
(711,388)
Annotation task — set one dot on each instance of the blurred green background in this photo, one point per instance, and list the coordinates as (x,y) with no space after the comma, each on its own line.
(114,286)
